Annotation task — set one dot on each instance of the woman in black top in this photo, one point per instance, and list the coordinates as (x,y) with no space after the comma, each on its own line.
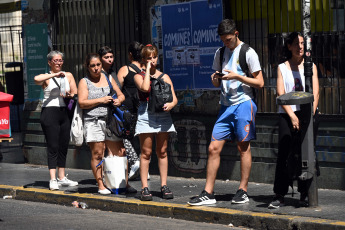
(129,89)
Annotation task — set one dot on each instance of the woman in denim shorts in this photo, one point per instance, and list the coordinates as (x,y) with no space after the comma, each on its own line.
(152,125)
(93,98)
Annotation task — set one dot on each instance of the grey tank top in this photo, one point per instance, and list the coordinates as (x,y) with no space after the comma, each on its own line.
(96,92)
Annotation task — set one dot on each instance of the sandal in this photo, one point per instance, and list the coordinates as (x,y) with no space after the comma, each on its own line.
(166,193)
(146,194)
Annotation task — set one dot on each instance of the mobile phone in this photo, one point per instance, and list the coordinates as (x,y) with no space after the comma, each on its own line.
(220,74)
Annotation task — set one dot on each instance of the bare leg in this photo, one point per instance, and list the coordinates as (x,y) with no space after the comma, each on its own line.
(161,150)
(146,140)
(213,164)
(246,163)
(52,173)
(97,151)
(61,173)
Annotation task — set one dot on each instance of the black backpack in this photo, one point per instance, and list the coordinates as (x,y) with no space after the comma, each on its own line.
(159,95)
(242,61)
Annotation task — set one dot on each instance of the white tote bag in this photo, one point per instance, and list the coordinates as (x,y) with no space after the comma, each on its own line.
(76,133)
(114,173)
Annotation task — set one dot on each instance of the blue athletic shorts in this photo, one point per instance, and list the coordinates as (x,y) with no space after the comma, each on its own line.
(236,122)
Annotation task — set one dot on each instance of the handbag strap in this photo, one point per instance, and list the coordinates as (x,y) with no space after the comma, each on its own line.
(56,82)
(116,79)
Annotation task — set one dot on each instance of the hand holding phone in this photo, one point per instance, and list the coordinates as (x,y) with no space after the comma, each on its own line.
(219,74)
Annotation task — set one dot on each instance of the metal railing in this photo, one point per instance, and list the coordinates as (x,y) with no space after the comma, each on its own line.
(82,27)
(11,49)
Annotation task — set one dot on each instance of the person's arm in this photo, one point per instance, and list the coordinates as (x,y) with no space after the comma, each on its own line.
(120,96)
(121,74)
(216,79)
(287,108)
(143,84)
(315,88)
(217,66)
(257,81)
(72,85)
(42,78)
(168,106)
(86,103)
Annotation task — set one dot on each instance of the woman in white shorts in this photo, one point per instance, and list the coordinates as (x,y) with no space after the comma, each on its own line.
(93,98)
(152,125)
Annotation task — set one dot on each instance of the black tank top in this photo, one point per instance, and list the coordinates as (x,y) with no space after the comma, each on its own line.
(129,87)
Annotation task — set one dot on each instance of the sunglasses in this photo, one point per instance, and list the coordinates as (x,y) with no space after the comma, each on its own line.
(94,65)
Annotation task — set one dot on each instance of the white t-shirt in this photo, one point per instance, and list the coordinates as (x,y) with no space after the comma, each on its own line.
(233,91)
(293,81)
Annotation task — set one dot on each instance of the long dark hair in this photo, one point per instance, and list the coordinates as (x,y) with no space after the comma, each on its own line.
(286,54)
(135,49)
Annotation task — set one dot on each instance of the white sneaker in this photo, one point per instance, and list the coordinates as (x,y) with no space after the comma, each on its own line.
(104,192)
(53,185)
(67,182)
(134,173)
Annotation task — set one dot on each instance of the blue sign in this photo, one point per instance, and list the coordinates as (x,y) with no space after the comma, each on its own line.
(190,39)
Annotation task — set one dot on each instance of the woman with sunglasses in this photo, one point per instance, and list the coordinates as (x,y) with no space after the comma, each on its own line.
(93,91)
(55,122)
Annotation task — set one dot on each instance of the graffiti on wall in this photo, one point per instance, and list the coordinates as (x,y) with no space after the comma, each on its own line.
(189,146)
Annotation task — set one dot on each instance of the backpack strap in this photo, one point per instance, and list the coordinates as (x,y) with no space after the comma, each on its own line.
(135,68)
(160,76)
(221,57)
(243,61)
(244,66)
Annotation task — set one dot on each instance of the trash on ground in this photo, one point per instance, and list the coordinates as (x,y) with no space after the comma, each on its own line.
(77,204)
(7,197)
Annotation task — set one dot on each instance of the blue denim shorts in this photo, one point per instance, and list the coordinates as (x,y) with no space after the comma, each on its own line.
(149,122)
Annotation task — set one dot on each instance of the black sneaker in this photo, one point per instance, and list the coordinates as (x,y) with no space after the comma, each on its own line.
(146,194)
(240,197)
(166,193)
(278,201)
(204,198)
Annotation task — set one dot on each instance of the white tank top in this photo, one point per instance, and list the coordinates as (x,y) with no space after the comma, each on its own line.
(293,81)
(51,97)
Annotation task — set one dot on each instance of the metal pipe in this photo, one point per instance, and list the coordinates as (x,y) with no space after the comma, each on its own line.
(308,152)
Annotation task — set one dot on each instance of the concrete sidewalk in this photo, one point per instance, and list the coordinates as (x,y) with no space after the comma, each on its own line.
(30,182)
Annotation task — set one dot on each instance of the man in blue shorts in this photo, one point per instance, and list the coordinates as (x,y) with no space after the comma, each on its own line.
(236,119)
